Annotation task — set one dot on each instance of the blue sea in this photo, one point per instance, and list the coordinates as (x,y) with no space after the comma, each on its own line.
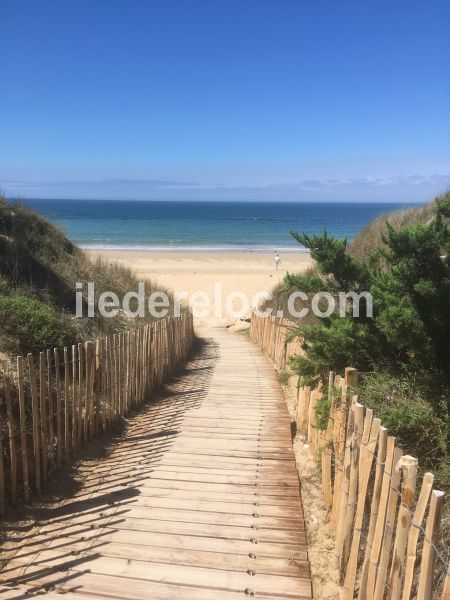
(204,226)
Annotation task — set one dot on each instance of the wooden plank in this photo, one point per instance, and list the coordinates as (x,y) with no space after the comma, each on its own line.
(36,423)
(59,410)
(186,505)
(43,415)
(350,502)
(2,471)
(23,428)
(74,399)
(215,579)
(446,587)
(368,446)
(136,588)
(81,392)
(66,404)
(104,387)
(386,547)
(425,587)
(376,494)
(413,538)
(87,391)
(107,389)
(11,435)
(381,519)
(50,412)
(409,469)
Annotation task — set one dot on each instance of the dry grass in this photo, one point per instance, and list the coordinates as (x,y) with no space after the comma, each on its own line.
(371,237)
(39,262)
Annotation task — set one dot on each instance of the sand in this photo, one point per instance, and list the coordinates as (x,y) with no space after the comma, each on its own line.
(319,535)
(190,272)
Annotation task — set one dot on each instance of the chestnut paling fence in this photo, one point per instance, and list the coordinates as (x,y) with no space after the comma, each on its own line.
(386,529)
(53,404)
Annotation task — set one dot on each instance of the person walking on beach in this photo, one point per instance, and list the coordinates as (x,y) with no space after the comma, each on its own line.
(277,261)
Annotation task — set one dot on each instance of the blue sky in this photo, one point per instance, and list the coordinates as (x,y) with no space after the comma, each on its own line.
(249,99)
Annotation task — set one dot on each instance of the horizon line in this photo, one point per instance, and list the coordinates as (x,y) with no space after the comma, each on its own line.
(223,201)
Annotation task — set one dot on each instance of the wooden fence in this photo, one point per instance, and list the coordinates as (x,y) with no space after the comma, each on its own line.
(386,534)
(53,405)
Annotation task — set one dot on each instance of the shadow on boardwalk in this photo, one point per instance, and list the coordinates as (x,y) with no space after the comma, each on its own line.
(196,497)
(72,494)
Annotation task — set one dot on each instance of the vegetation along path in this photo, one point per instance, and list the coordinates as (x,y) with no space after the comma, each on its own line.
(199,500)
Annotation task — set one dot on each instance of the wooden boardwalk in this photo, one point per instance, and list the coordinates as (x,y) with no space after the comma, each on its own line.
(199,501)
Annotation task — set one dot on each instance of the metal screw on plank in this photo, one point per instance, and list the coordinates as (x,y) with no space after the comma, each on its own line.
(249,592)
(251,572)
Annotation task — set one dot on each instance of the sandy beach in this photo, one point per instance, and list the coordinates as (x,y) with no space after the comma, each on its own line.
(246,272)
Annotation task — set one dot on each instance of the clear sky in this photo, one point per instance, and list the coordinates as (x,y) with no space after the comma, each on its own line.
(216,99)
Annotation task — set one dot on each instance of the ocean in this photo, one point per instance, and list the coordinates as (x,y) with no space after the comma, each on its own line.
(204,226)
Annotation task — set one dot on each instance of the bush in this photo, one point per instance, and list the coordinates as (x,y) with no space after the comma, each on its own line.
(323,407)
(409,280)
(283,377)
(43,266)
(404,409)
(29,325)
(405,266)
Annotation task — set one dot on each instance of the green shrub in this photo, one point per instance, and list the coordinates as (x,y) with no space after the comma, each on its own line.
(323,407)
(308,282)
(404,409)
(324,404)
(283,377)
(28,325)
(40,267)
(405,265)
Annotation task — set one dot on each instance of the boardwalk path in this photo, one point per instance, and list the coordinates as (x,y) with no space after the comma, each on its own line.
(200,500)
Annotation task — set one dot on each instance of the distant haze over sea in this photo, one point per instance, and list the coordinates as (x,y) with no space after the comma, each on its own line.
(204,226)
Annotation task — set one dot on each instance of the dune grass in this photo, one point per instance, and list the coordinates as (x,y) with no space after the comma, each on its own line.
(39,267)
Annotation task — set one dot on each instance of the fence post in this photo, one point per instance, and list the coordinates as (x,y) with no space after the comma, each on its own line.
(58,409)
(349,503)
(343,489)
(425,588)
(2,471)
(303,410)
(339,441)
(368,446)
(81,384)
(389,526)
(409,470)
(108,388)
(312,420)
(376,494)
(89,385)
(74,399)
(446,588)
(23,429)
(50,413)
(351,377)
(12,436)
(413,537)
(66,404)
(381,518)
(44,417)
(35,418)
